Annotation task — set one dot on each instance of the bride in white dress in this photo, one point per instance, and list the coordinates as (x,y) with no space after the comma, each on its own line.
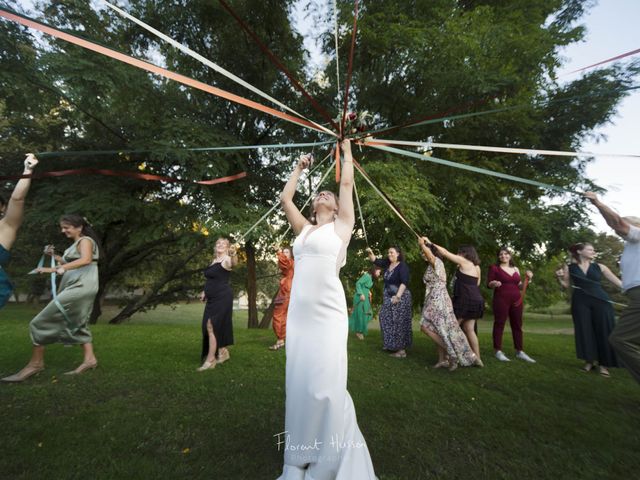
(321,440)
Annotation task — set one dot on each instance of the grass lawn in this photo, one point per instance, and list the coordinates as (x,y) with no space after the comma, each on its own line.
(146,413)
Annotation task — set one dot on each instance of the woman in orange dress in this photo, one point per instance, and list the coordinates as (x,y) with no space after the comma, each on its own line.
(285,264)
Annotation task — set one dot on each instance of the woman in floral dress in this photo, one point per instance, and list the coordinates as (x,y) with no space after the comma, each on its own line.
(438,319)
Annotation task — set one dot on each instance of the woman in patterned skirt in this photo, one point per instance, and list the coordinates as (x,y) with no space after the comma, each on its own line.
(438,319)
(468,303)
(396,311)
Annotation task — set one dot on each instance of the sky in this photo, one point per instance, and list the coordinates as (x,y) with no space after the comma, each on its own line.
(612,29)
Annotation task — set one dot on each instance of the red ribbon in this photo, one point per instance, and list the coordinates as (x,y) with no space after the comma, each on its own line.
(338,162)
(633,52)
(278,64)
(350,68)
(523,293)
(115,173)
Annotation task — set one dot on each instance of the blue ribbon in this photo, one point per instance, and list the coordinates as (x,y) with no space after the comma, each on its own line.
(54,292)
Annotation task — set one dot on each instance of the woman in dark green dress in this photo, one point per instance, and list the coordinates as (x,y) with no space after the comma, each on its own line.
(591,308)
(65,319)
(362,313)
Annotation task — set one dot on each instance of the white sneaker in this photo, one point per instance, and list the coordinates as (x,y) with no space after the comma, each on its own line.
(523,356)
(502,357)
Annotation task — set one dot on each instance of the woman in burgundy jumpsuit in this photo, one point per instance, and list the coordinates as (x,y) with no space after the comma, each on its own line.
(504,278)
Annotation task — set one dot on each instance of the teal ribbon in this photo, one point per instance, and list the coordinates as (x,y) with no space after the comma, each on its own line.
(82,153)
(573,275)
(598,298)
(471,168)
(54,291)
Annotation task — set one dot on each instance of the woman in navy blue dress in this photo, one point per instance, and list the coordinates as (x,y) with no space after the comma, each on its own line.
(397,306)
(591,308)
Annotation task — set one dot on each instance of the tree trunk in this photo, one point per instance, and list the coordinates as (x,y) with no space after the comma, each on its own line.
(268,314)
(103,280)
(252,288)
(170,273)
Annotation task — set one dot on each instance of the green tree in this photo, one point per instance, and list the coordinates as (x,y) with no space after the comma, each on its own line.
(152,233)
(414,59)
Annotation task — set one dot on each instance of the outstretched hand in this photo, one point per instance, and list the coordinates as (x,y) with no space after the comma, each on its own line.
(560,273)
(592,196)
(345,145)
(422,241)
(45,270)
(305,161)
(30,163)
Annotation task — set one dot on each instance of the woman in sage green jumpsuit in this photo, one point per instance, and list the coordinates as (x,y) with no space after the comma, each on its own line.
(65,319)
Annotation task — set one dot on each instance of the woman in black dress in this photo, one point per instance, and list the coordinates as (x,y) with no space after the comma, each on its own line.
(468,303)
(591,308)
(397,307)
(217,326)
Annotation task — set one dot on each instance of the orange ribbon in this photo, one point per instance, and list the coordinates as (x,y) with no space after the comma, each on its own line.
(338,162)
(278,63)
(153,68)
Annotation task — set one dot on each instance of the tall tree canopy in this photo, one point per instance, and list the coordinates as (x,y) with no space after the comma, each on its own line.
(412,59)
(417,59)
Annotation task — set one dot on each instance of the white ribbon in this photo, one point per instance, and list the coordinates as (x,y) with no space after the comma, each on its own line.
(364,230)
(214,66)
(277,204)
(526,151)
(335,33)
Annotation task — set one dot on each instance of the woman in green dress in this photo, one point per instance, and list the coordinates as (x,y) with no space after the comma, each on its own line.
(65,318)
(362,312)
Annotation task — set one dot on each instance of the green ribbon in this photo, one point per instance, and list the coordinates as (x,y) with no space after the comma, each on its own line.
(82,153)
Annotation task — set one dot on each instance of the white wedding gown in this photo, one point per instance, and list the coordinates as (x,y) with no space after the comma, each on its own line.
(322,440)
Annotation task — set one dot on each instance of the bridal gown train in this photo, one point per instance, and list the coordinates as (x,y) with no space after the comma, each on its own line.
(322,440)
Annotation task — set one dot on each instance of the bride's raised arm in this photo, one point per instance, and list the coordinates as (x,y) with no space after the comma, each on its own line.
(296,219)
(346,215)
